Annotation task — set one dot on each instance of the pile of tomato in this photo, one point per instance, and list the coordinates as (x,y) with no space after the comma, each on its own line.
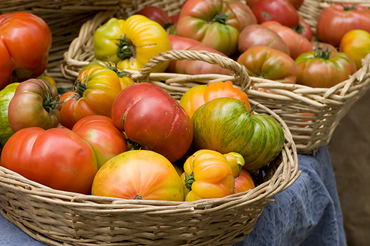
(112,137)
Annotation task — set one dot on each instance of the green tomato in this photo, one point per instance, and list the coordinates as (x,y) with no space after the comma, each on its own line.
(6,95)
(225,125)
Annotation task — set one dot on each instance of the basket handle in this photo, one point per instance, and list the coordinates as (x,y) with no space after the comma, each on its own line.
(240,73)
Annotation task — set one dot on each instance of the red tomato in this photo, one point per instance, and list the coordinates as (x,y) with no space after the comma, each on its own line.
(338,19)
(322,69)
(155,120)
(35,103)
(251,3)
(179,43)
(174,19)
(324,46)
(200,67)
(211,22)
(56,157)
(297,43)
(244,182)
(268,63)
(139,175)
(243,13)
(156,14)
(102,135)
(304,29)
(281,11)
(24,47)
(257,35)
(296,3)
(356,44)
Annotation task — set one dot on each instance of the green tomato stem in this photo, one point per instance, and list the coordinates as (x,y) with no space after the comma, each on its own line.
(348,8)
(49,104)
(80,87)
(124,50)
(299,29)
(189,180)
(252,109)
(320,53)
(220,18)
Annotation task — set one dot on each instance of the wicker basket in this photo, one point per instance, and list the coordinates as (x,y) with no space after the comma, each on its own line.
(65,18)
(64,218)
(312,114)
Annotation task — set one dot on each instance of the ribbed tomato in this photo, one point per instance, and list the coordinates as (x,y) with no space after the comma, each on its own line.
(24,47)
(324,69)
(200,94)
(269,63)
(6,95)
(225,125)
(297,43)
(207,175)
(96,89)
(340,18)
(56,157)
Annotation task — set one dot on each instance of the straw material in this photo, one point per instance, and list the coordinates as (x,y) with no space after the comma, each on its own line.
(65,18)
(64,218)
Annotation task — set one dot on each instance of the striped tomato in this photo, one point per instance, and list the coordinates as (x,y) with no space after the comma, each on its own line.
(225,125)
(6,95)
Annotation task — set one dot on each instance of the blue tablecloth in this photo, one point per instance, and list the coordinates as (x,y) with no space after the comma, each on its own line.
(307,213)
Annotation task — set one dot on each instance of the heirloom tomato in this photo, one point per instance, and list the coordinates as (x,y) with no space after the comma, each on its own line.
(24,47)
(338,19)
(356,44)
(124,77)
(324,46)
(179,43)
(200,94)
(56,157)
(35,103)
(236,162)
(244,182)
(297,43)
(153,119)
(225,125)
(156,14)
(195,67)
(207,175)
(281,11)
(139,175)
(304,29)
(323,69)
(257,35)
(211,22)
(95,90)
(131,43)
(6,95)
(268,63)
(243,13)
(102,135)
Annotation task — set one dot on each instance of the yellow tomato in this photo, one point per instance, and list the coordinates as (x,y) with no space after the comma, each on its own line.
(356,44)
(131,43)
(207,175)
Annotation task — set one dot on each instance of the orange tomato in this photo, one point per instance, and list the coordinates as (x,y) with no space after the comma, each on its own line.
(356,44)
(200,94)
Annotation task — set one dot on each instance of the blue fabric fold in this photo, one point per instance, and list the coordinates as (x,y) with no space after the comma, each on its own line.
(308,213)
